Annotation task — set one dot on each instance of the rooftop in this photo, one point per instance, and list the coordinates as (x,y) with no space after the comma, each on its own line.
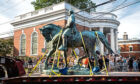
(66,6)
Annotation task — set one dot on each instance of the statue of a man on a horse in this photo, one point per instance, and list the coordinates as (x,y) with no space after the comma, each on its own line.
(71,37)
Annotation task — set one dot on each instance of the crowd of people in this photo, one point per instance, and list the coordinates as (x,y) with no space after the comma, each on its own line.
(114,63)
(118,63)
(30,64)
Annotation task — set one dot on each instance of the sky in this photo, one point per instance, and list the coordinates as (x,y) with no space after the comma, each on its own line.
(129,17)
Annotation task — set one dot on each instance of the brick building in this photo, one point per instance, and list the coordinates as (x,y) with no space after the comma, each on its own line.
(28,40)
(129,47)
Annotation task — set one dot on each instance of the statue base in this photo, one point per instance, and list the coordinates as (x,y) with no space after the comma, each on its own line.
(49,71)
(75,70)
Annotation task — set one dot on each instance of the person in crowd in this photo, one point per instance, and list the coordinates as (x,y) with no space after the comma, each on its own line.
(30,65)
(100,62)
(138,60)
(121,63)
(124,64)
(71,61)
(75,60)
(135,65)
(55,63)
(117,58)
(130,64)
(111,65)
(107,62)
(92,63)
(85,62)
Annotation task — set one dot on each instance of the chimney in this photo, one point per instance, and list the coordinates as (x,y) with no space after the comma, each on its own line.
(125,36)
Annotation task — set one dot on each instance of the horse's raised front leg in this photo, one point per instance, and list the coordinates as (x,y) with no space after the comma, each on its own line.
(48,56)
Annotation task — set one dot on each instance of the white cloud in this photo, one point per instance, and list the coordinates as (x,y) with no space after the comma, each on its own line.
(131,25)
(5,28)
(103,8)
(24,7)
(11,8)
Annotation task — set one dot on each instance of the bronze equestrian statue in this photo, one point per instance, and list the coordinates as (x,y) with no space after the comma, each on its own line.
(71,38)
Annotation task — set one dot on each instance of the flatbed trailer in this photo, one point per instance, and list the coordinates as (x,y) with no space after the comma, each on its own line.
(42,78)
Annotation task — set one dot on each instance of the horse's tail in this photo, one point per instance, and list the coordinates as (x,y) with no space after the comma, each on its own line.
(104,41)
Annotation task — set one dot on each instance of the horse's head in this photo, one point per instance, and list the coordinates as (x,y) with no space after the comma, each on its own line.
(49,31)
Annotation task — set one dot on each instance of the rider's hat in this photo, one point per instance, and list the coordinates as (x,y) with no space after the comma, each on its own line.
(71,11)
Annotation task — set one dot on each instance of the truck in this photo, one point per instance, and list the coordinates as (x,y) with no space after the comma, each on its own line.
(11,67)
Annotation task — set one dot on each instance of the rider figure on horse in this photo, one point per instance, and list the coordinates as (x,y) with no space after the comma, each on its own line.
(70,29)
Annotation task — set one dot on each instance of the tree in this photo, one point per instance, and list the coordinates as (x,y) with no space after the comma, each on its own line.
(81,4)
(6,46)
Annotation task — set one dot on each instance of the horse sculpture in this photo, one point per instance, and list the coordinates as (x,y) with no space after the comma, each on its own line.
(51,33)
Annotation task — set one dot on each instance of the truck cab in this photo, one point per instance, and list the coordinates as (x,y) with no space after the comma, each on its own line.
(11,67)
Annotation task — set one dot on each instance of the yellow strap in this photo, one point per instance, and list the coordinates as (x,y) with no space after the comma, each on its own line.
(37,64)
(55,53)
(83,41)
(42,57)
(105,66)
(53,66)
(102,70)
(94,59)
(56,73)
(75,55)
(58,58)
(102,55)
(91,73)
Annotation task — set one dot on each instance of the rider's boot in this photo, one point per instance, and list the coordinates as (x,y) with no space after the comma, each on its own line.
(63,47)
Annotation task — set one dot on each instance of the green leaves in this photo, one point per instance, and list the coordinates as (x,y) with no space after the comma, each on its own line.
(81,4)
(6,46)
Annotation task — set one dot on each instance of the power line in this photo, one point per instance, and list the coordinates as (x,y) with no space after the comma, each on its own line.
(92,7)
(129,4)
(96,17)
(115,9)
(77,12)
(96,5)
(119,5)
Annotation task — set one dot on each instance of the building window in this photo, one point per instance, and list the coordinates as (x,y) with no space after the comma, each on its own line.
(34,43)
(22,45)
(130,48)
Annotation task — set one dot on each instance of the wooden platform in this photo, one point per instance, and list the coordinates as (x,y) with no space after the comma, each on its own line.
(130,74)
(103,74)
(113,76)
